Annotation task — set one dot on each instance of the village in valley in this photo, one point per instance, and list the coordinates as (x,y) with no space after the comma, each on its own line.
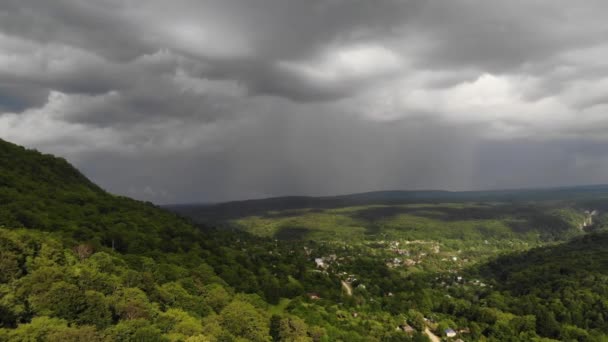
(403,257)
(411,274)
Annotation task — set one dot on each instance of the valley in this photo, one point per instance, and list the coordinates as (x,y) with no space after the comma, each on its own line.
(79,264)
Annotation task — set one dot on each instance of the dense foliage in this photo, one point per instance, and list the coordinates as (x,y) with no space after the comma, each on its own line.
(79,294)
(77,263)
(564,286)
(50,275)
(43,192)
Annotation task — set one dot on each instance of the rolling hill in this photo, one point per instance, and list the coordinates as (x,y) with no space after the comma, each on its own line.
(236,209)
(531,215)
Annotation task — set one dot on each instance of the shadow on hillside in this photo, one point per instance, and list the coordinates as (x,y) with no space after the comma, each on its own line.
(436,212)
(521,219)
(292,233)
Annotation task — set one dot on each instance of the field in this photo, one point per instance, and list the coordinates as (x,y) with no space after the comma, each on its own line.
(445,221)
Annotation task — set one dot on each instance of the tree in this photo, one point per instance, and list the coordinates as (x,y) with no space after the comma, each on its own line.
(416,320)
(7,317)
(572,333)
(97,310)
(293,329)
(216,296)
(173,295)
(132,303)
(275,327)
(546,325)
(83,251)
(316,333)
(243,320)
(62,300)
(200,338)
(74,334)
(9,266)
(523,324)
(134,330)
(46,329)
(179,322)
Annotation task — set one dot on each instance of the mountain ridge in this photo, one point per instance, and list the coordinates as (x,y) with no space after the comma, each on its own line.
(240,208)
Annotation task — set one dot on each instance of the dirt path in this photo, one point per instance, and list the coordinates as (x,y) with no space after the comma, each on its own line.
(432,336)
(349,289)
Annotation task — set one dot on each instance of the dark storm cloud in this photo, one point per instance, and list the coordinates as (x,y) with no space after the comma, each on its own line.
(100,26)
(223,99)
(314,153)
(18,97)
(236,39)
(504,165)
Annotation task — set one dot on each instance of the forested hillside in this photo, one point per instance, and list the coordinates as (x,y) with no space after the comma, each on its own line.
(46,193)
(78,263)
(564,286)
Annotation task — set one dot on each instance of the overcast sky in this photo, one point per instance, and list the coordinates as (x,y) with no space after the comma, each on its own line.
(212,100)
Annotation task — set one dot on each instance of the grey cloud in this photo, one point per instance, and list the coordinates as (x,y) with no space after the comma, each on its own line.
(278,30)
(99,26)
(491,36)
(177,101)
(502,36)
(282,155)
(540,164)
(18,97)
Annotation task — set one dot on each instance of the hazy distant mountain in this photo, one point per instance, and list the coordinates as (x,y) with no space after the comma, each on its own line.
(219,211)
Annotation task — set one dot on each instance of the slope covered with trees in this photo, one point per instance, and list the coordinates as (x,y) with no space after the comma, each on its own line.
(46,193)
(78,263)
(117,267)
(564,286)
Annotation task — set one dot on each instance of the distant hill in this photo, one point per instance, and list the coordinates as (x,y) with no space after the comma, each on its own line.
(588,194)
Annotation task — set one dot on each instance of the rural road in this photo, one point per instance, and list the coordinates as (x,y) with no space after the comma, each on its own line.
(432,336)
(349,289)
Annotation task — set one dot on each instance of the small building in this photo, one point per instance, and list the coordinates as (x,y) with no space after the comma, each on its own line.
(409,262)
(320,263)
(314,296)
(450,332)
(406,328)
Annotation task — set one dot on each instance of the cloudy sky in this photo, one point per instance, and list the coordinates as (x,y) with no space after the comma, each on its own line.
(212,100)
